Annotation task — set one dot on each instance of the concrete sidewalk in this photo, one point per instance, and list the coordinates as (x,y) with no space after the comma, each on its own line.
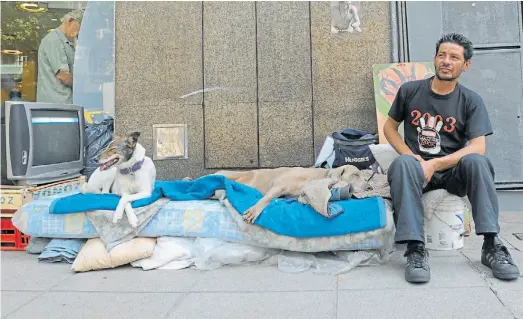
(461,287)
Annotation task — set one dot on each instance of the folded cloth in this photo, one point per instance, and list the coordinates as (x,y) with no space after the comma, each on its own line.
(319,193)
(62,250)
(79,203)
(283,216)
(115,234)
(37,245)
(379,185)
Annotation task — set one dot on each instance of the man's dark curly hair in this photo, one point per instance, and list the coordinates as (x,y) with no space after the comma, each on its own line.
(458,39)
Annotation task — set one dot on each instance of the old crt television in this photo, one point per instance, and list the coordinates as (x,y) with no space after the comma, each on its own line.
(41,142)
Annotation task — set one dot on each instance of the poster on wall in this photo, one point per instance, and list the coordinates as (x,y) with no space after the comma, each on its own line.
(345,17)
(387,80)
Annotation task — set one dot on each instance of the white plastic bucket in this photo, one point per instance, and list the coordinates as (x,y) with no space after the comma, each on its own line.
(445,224)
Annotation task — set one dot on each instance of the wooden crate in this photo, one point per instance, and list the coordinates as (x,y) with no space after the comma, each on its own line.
(13,197)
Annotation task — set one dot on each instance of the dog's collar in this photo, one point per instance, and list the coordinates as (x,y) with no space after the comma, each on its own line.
(132,169)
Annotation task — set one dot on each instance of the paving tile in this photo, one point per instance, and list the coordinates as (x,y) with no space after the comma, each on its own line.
(257,305)
(510,223)
(24,272)
(57,305)
(12,255)
(513,301)
(398,258)
(12,300)
(449,271)
(511,240)
(129,279)
(473,242)
(262,278)
(475,257)
(409,303)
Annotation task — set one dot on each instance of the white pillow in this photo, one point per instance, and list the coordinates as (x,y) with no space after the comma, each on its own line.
(94,256)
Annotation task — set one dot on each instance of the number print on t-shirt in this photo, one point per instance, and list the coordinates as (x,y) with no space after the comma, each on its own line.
(429,127)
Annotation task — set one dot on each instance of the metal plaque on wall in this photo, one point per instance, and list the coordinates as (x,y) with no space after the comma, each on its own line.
(170,141)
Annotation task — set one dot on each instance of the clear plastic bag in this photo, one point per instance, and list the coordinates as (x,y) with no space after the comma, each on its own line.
(213,253)
(337,262)
(329,263)
(294,262)
(210,254)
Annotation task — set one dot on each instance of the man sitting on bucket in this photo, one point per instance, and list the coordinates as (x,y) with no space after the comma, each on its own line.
(440,116)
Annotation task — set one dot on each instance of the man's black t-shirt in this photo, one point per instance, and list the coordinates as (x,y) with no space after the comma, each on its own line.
(437,125)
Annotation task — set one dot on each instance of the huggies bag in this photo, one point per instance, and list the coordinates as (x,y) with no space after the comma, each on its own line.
(351,147)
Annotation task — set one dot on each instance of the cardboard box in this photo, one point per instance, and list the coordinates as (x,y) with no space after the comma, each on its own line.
(13,197)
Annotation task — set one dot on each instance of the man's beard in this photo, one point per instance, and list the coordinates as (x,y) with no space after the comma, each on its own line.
(445,79)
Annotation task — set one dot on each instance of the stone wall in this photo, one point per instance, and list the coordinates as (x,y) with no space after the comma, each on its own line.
(284,81)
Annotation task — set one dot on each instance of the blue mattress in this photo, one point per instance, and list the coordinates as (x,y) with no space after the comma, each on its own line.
(283,216)
(197,218)
(192,218)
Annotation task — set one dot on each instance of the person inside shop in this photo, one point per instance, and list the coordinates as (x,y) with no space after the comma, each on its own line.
(56,60)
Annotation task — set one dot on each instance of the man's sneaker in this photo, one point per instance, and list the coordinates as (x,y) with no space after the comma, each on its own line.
(496,257)
(417,269)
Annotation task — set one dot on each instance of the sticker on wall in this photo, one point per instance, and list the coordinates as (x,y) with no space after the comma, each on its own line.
(345,17)
(170,141)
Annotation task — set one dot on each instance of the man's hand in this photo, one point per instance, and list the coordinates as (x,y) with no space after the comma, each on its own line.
(429,168)
(477,145)
(65,77)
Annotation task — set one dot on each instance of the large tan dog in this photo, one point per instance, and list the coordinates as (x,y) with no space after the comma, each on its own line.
(288,182)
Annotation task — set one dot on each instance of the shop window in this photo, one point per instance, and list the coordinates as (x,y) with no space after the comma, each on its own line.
(25,24)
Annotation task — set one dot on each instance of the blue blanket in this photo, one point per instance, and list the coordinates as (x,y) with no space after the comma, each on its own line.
(62,250)
(282,216)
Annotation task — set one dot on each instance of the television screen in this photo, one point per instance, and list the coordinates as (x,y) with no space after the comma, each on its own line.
(56,136)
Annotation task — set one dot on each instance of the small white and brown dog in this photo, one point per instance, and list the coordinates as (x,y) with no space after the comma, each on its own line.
(134,173)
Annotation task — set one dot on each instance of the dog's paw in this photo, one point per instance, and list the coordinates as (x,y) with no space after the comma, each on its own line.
(133,220)
(251,214)
(131,216)
(118,213)
(117,218)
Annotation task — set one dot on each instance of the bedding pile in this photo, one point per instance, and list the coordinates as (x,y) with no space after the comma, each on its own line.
(191,229)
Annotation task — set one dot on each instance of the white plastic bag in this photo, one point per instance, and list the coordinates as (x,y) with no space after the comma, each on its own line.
(329,263)
(169,253)
(213,253)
